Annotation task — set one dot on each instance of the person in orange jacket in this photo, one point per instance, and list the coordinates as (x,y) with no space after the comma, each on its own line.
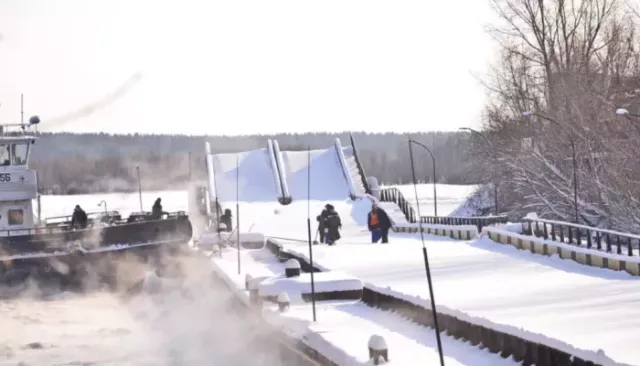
(379,224)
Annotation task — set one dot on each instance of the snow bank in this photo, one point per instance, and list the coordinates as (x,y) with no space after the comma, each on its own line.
(512,227)
(282,322)
(323,282)
(230,238)
(598,357)
(343,329)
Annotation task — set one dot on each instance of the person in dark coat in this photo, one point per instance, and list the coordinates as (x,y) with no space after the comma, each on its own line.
(227,220)
(333,224)
(79,218)
(322,222)
(379,224)
(156,210)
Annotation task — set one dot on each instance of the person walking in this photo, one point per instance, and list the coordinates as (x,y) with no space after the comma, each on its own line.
(322,222)
(79,219)
(156,210)
(333,224)
(379,224)
(227,220)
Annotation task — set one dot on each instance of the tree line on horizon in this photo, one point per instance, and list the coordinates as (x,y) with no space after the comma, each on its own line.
(70,163)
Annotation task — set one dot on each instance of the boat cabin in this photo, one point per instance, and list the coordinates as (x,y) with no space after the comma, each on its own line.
(18,183)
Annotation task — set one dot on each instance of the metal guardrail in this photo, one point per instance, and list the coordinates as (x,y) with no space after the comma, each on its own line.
(394,195)
(583,236)
(479,221)
(111,218)
(363,176)
(100,216)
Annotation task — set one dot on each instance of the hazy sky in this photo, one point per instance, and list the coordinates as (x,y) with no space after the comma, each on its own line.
(240,67)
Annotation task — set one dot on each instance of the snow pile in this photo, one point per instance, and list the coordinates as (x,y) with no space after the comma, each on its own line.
(245,176)
(208,240)
(328,182)
(296,286)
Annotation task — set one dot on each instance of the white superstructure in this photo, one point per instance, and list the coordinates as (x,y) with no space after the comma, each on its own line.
(18,183)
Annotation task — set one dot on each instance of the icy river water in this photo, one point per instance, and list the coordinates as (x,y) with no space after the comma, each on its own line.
(196,327)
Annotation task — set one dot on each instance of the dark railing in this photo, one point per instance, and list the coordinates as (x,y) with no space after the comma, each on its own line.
(92,217)
(478,221)
(394,195)
(363,176)
(583,236)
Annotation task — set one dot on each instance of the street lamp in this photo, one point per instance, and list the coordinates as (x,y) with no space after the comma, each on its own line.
(433,159)
(495,186)
(626,114)
(424,247)
(573,158)
(103,203)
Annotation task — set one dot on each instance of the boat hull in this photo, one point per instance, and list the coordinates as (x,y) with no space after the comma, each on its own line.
(113,255)
(50,240)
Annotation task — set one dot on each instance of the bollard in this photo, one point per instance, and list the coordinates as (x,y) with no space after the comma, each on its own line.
(283,302)
(254,295)
(247,280)
(292,268)
(378,350)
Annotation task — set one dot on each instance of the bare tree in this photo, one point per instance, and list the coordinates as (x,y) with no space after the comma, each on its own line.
(573,63)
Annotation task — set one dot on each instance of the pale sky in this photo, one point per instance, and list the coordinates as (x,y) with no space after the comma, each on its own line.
(243,67)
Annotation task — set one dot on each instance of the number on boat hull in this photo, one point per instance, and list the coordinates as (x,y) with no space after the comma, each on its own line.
(5,177)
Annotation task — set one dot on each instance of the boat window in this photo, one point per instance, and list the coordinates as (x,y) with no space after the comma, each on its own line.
(4,155)
(16,217)
(19,153)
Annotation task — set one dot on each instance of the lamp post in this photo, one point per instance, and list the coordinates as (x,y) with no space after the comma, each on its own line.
(139,187)
(495,186)
(103,203)
(424,247)
(433,159)
(573,158)
(625,112)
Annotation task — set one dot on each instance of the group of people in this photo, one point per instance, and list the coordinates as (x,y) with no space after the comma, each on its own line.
(329,224)
(80,220)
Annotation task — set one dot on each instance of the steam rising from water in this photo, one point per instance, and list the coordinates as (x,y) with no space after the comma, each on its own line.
(193,324)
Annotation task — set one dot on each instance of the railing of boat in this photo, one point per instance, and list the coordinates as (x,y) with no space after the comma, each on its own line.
(61,227)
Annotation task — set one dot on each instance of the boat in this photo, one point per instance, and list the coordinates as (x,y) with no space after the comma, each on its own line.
(110,247)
